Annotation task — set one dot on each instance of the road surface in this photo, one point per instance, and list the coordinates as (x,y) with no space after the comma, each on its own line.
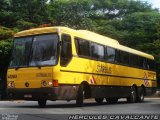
(30,110)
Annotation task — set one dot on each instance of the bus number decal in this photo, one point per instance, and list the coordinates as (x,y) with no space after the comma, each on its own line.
(12,76)
(43,75)
(103,69)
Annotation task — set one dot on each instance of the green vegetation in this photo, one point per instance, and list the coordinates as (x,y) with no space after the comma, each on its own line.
(134,23)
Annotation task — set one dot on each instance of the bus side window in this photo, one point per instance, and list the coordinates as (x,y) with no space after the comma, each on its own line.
(117,56)
(124,57)
(143,63)
(82,47)
(110,54)
(133,60)
(97,51)
(152,65)
(66,50)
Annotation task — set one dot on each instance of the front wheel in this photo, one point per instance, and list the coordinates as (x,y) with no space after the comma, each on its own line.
(42,103)
(133,95)
(80,96)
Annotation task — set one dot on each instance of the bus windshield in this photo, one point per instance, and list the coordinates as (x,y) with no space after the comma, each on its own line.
(40,50)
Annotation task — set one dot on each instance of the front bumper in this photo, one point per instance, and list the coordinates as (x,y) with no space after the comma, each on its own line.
(52,93)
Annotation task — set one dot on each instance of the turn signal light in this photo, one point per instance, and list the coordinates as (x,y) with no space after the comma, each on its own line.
(55,83)
(11,84)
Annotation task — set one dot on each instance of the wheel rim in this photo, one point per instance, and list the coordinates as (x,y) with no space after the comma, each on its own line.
(142,96)
(83,93)
(133,93)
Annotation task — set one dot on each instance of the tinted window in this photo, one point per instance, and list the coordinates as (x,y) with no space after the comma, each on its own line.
(117,56)
(97,51)
(110,54)
(82,47)
(143,62)
(66,51)
(124,57)
(44,50)
(140,62)
(133,60)
(152,64)
(21,52)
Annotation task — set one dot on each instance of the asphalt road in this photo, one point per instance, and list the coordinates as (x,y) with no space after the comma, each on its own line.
(30,110)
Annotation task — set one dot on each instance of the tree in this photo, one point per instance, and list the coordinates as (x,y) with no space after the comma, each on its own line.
(29,11)
(5,52)
(141,28)
(112,9)
(71,13)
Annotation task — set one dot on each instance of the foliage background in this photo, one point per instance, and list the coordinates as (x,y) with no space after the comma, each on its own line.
(132,22)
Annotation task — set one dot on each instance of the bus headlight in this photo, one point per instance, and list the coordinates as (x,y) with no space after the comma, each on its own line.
(11,84)
(50,83)
(46,83)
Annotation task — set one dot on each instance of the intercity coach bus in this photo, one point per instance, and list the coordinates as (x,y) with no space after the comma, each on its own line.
(59,63)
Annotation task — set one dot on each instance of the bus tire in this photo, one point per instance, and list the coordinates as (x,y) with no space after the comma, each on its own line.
(42,103)
(140,97)
(99,100)
(112,100)
(80,96)
(133,95)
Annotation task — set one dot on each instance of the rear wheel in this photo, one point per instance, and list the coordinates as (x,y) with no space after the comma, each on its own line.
(80,96)
(99,100)
(112,100)
(133,95)
(140,97)
(42,103)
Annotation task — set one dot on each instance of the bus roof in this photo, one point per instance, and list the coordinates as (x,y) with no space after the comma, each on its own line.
(85,34)
(89,33)
(111,42)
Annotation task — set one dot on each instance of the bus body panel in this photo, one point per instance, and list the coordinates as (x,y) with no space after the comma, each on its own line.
(104,79)
(106,73)
(33,76)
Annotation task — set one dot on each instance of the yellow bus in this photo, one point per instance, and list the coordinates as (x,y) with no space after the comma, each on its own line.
(59,63)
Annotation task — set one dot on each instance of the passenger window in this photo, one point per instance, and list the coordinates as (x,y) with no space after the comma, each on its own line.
(117,56)
(133,60)
(152,65)
(143,63)
(124,57)
(66,50)
(110,54)
(97,51)
(82,47)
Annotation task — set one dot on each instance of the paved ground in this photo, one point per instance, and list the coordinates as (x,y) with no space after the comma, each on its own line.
(150,106)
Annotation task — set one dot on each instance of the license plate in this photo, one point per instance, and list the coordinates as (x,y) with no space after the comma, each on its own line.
(28,96)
